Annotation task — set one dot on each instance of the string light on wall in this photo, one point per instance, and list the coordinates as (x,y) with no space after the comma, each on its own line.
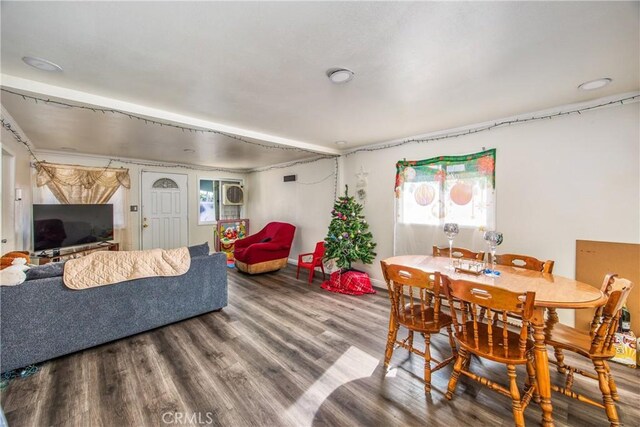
(150,121)
(486,128)
(440,137)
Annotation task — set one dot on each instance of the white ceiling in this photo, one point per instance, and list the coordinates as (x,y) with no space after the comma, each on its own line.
(260,67)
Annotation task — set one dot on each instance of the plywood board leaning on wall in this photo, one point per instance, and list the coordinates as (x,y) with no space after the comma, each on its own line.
(595,259)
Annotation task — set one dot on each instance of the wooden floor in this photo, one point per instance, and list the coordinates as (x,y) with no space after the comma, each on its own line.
(281,354)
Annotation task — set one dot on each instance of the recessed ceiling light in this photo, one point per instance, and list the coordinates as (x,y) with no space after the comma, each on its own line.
(339,75)
(341,143)
(595,84)
(41,64)
(189,150)
(68,149)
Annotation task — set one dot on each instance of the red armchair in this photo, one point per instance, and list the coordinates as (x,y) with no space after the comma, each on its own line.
(267,250)
(314,259)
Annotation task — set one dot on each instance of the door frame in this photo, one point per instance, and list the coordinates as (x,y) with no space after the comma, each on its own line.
(11,193)
(142,171)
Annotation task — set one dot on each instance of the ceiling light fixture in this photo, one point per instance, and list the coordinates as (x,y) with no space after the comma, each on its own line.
(595,84)
(341,143)
(339,75)
(41,64)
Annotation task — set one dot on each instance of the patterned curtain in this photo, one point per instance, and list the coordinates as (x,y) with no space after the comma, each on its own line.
(73,184)
(431,192)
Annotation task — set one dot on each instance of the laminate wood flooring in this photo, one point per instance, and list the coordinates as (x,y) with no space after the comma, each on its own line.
(283,353)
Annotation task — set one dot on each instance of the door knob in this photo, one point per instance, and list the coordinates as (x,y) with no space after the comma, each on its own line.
(144,223)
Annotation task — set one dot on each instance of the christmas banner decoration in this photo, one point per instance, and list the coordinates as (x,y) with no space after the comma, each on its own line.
(459,189)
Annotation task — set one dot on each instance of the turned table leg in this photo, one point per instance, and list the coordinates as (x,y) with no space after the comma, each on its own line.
(542,366)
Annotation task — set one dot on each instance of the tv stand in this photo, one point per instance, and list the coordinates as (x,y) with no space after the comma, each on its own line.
(74,253)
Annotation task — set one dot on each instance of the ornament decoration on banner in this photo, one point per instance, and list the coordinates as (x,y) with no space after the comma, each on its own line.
(424,194)
(461,193)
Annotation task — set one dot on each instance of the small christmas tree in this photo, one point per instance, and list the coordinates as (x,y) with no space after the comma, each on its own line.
(349,238)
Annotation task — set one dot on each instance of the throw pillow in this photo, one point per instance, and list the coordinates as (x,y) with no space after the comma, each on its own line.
(52,269)
(199,250)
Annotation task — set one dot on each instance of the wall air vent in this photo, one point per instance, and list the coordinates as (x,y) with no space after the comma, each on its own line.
(232,195)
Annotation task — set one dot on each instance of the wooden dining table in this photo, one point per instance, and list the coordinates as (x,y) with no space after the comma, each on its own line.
(552,291)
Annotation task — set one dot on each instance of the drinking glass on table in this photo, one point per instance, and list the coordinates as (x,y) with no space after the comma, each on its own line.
(451,230)
(493,239)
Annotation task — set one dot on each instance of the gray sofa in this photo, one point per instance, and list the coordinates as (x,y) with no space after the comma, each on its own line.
(42,319)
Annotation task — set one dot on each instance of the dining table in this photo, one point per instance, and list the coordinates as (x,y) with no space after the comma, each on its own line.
(551,291)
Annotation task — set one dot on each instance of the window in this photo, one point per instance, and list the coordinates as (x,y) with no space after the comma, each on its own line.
(458,189)
(207,202)
(165,183)
(211,208)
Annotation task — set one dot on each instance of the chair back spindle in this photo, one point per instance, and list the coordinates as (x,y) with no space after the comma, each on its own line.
(602,339)
(412,293)
(484,322)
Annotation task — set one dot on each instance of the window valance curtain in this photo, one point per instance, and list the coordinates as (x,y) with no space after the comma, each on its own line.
(72,184)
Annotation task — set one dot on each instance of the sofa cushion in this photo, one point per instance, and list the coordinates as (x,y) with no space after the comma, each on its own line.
(199,250)
(52,269)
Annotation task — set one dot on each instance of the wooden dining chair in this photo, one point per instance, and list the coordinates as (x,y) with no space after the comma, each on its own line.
(596,345)
(525,261)
(415,305)
(529,263)
(492,338)
(458,253)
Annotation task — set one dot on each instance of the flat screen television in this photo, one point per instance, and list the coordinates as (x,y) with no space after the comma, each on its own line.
(61,226)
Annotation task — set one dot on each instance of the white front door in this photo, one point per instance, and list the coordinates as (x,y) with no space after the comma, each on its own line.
(164,210)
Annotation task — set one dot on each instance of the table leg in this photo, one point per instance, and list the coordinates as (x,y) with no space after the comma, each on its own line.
(542,367)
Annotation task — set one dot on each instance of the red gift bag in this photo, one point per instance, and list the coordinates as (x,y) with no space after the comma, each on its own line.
(350,282)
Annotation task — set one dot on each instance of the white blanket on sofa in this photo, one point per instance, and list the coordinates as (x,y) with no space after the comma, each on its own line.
(109,267)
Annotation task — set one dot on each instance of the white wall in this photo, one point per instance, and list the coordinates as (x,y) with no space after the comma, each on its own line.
(557,181)
(197,233)
(305,203)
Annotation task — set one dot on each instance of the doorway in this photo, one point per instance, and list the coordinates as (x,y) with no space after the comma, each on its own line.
(8,231)
(164,210)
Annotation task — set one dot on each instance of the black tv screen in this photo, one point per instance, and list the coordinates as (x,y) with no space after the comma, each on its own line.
(61,226)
